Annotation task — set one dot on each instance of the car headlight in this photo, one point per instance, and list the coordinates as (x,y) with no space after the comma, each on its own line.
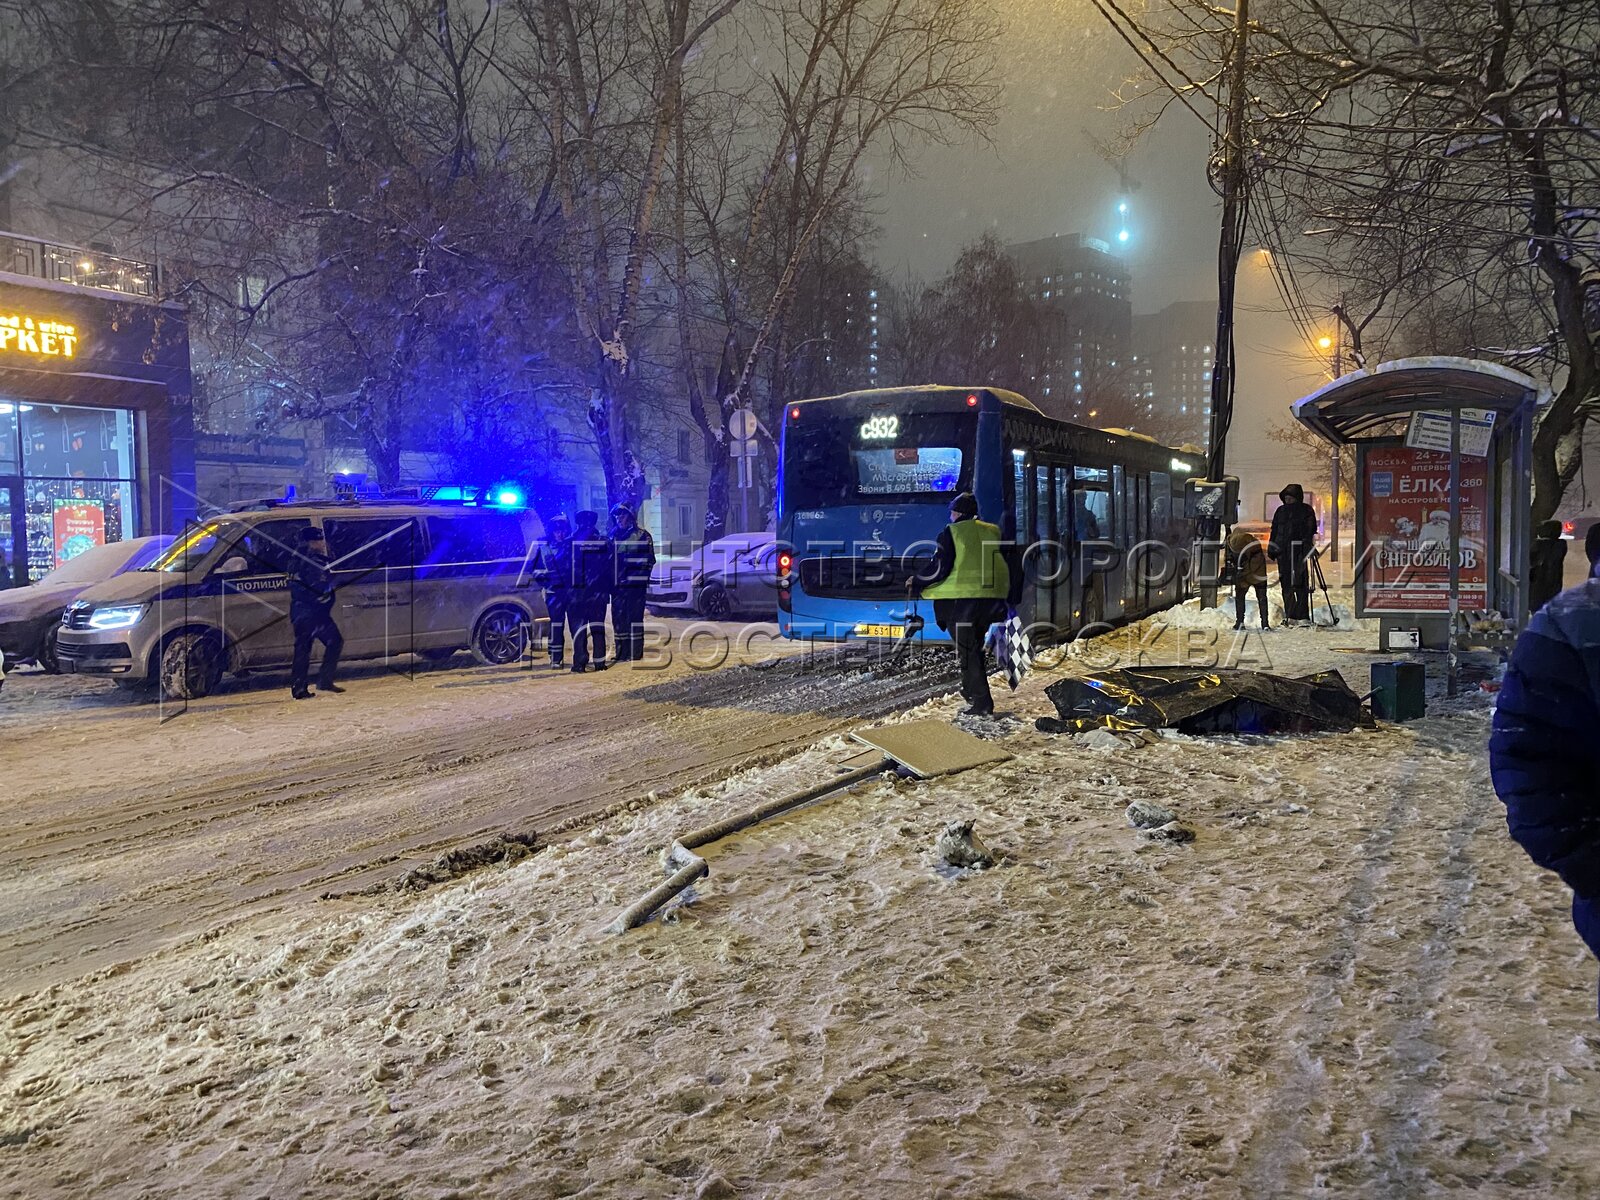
(119,617)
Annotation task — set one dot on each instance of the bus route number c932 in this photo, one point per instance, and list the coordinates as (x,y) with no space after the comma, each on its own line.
(878,428)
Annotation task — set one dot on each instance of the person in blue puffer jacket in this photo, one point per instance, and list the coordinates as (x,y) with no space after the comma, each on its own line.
(1544,753)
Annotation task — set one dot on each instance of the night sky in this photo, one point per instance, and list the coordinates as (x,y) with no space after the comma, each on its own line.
(1041,176)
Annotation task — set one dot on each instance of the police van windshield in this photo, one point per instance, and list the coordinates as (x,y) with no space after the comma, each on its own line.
(192,547)
(841,457)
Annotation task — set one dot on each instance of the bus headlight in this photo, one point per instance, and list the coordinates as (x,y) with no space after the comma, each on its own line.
(119,617)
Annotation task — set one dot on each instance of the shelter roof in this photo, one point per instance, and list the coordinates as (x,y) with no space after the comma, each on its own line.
(1372,403)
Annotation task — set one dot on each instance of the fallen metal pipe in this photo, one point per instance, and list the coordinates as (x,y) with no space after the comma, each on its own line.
(685,866)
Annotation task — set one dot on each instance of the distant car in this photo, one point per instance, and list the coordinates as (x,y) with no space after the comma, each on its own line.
(730,575)
(30,616)
(1577,528)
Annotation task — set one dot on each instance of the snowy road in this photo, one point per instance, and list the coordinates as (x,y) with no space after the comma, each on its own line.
(1351,983)
(123,834)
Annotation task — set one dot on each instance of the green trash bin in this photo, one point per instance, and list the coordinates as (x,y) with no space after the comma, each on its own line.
(1399,691)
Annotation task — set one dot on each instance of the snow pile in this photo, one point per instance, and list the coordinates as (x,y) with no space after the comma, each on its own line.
(1351,983)
(1190,615)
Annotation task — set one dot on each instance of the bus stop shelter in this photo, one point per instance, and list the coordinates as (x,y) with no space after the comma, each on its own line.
(1443,492)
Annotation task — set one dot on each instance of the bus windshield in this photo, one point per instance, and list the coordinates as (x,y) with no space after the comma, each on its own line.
(845,458)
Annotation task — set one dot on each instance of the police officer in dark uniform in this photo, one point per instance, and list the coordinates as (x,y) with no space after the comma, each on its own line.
(969,583)
(591,585)
(311,614)
(553,570)
(634,555)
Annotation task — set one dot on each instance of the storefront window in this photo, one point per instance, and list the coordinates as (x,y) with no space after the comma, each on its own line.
(76,477)
(8,437)
(77,443)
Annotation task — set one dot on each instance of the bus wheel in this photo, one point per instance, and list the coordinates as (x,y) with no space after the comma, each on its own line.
(1094,607)
(501,638)
(191,666)
(716,604)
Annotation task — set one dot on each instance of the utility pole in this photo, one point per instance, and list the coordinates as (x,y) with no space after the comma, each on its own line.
(1235,207)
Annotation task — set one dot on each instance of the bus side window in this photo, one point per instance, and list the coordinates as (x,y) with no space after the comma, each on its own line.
(1041,505)
(1160,506)
(1091,504)
(1065,528)
(1119,505)
(1019,496)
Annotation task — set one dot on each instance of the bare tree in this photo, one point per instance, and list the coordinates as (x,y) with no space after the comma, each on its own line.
(839,78)
(1443,149)
(335,190)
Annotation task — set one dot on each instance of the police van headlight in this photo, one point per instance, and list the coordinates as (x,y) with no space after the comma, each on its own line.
(118,617)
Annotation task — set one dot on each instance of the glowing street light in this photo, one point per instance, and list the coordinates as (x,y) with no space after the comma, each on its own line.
(1325,343)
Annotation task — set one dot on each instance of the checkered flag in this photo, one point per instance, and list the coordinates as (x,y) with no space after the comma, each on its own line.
(1012,649)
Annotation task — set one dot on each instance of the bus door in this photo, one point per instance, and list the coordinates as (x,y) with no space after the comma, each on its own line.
(1117,598)
(1091,522)
(1050,587)
(1138,585)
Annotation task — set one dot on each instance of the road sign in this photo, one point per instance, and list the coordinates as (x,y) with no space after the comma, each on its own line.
(742,424)
(1431,431)
(744,449)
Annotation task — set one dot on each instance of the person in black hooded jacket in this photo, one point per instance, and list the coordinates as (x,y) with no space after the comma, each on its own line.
(1293,538)
(1546,558)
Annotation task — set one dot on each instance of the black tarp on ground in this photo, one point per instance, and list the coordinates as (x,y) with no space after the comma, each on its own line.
(1204,700)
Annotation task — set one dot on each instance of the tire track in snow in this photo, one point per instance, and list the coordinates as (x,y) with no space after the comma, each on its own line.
(93,873)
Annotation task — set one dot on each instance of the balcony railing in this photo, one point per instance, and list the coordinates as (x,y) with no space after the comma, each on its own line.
(72,264)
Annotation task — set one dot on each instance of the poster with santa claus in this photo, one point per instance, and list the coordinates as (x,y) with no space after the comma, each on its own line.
(79,526)
(1404,534)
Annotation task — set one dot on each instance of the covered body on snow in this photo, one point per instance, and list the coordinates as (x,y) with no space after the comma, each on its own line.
(1204,700)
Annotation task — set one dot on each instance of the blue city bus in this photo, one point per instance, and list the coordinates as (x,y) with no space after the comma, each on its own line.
(1094,518)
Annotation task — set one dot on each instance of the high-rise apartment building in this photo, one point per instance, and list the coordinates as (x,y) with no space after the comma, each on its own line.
(1174,350)
(1086,287)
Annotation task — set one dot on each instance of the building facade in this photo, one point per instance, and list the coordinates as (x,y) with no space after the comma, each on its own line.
(1087,289)
(96,428)
(1174,351)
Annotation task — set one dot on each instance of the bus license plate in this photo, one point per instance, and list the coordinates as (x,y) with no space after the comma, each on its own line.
(880,631)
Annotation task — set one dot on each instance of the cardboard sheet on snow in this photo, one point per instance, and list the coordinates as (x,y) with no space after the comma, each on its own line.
(1204,700)
(929,748)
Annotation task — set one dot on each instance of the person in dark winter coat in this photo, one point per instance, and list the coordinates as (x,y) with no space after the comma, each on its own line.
(1544,756)
(968,584)
(311,617)
(591,588)
(552,569)
(1545,559)
(1293,538)
(1250,562)
(633,557)
(1591,546)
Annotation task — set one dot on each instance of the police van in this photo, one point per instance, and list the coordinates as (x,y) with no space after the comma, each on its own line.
(409,577)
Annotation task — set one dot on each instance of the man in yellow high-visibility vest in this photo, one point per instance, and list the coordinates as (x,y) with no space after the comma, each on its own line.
(968,584)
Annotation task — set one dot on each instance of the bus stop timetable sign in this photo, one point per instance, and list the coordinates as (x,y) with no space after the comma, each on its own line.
(1431,431)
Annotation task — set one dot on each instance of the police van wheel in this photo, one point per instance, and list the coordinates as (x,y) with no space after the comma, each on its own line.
(501,638)
(716,604)
(191,666)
